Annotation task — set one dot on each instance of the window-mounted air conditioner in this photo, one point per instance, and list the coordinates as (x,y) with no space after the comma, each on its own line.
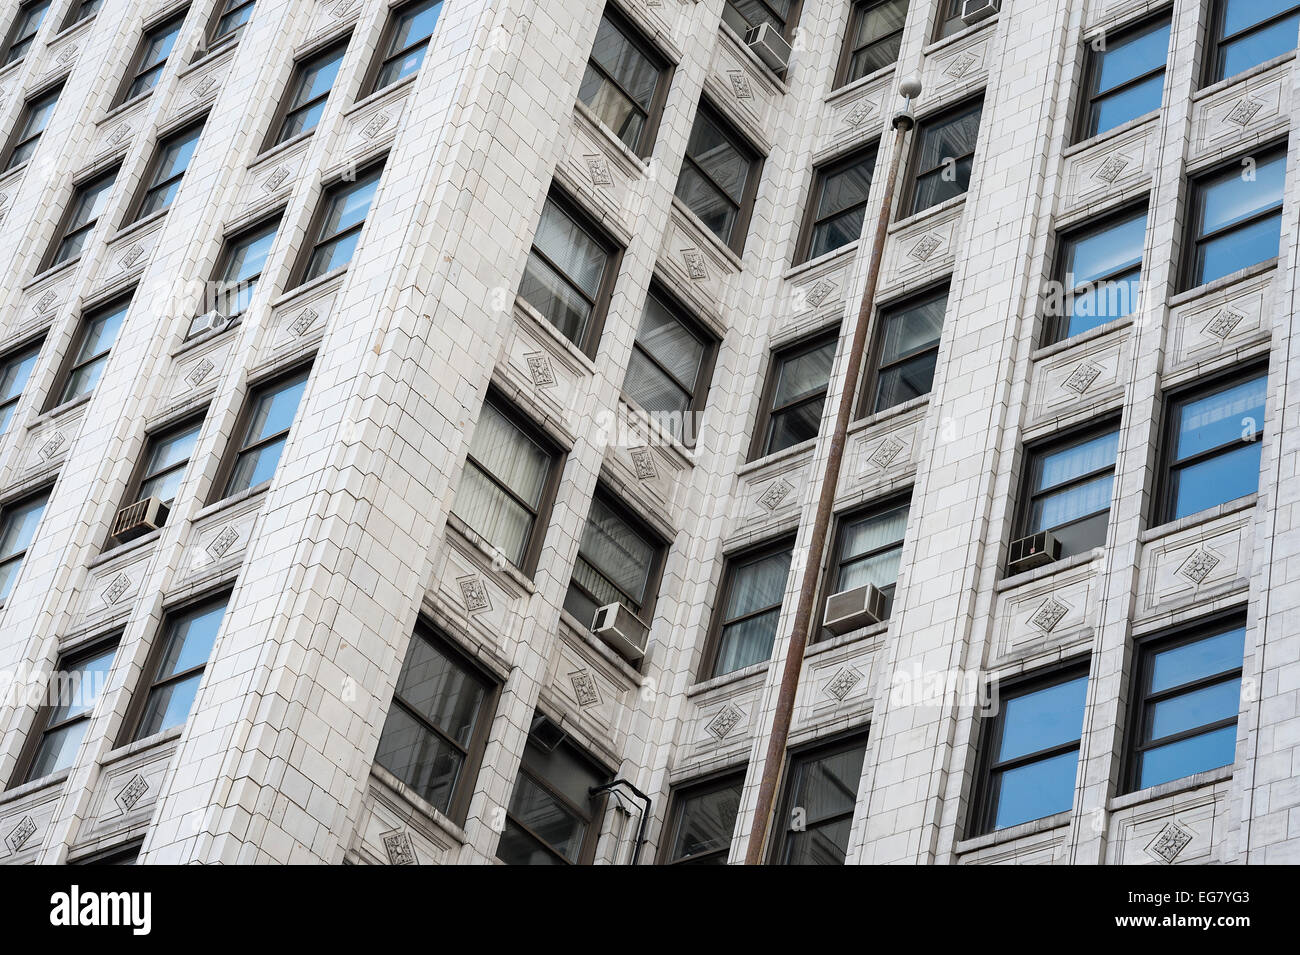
(854,609)
(770,45)
(209,322)
(622,630)
(1030,552)
(138,519)
(973,11)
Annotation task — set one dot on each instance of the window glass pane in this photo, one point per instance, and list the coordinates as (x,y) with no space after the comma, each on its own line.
(948,139)
(1132,56)
(825,793)
(554,824)
(14,374)
(907,380)
(441,690)
(872,533)
(671,342)
(611,106)
(189,640)
(942,184)
(705,824)
(414,28)
(1259,47)
(617,551)
(580,258)
(804,374)
(747,642)
(172,163)
(1068,464)
(58,749)
(558,302)
(159,45)
(1111,249)
(419,758)
(90,202)
(275,409)
(715,153)
(1222,418)
(740,15)
(845,188)
(1194,661)
(1103,302)
(875,20)
(316,78)
(1117,109)
(1247,246)
(1216,480)
(19,526)
(248,258)
(169,452)
(649,387)
(1035,790)
(913,329)
(1043,719)
(1062,507)
(350,207)
(621,59)
(1240,14)
(509,455)
(713,207)
(74,691)
(236,14)
(169,706)
(1197,708)
(499,519)
(1233,198)
(1188,756)
(757,584)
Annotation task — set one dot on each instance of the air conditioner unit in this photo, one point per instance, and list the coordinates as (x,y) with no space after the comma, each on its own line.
(1030,552)
(139,518)
(209,322)
(854,609)
(770,45)
(622,630)
(973,11)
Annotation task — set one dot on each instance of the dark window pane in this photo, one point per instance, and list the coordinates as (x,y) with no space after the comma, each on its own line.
(419,758)
(705,825)
(820,806)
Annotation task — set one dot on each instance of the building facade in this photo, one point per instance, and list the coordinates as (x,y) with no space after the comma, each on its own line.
(414,416)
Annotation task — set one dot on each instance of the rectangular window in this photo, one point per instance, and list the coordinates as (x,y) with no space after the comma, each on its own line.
(268,417)
(339,221)
(950,20)
(1126,79)
(837,205)
(1188,695)
(505,489)
(1099,271)
(672,362)
(36,116)
(166,457)
(410,28)
(907,349)
(229,19)
(18,522)
(1214,445)
(619,561)
(1236,217)
(99,329)
(625,83)
(151,57)
(313,79)
(1030,752)
(437,724)
(167,170)
(719,178)
(868,550)
(943,157)
(88,204)
(874,38)
(15,370)
(240,267)
(1070,487)
(177,665)
(753,591)
(1247,33)
(821,793)
(795,395)
(743,15)
(70,697)
(23,32)
(702,822)
(569,274)
(82,11)
(553,819)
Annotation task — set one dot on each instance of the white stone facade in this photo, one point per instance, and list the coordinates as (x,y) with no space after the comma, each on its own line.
(351,544)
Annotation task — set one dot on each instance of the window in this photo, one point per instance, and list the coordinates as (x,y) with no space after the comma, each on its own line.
(167,455)
(1237,217)
(1189,692)
(672,362)
(126,854)
(177,666)
(240,267)
(1070,485)
(618,562)
(36,116)
(313,79)
(95,337)
(410,28)
(796,394)
(744,15)
(553,818)
(229,19)
(837,205)
(873,40)
(437,725)
(868,550)
(15,370)
(268,417)
(339,221)
(625,83)
(70,698)
(950,20)
(82,11)
(1099,272)
(569,274)
(753,590)
(907,349)
(702,821)
(507,484)
(1249,32)
(168,169)
(88,204)
(151,58)
(1031,751)
(943,157)
(18,523)
(821,792)
(719,178)
(1214,445)
(24,30)
(1126,79)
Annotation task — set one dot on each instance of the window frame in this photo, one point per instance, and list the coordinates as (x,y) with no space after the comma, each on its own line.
(989,733)
(907,202)
(858,9)
(775,359)
(718,620)
(379,59)
(27,40)
(678,798)
(654,573)
(872,370)
(834,562)
(163,431)
(150,184)
(61,235)
(814,752)
(1213,67)
(160,24)
(816,192)
(74,16)
(1088,99)
(636,37)
(69,364)
(1056,327)
(7,508)
(1172,402)
(16,139)
(235,446)
(316,53)
(211,42)
(230,241)
(747,150)
(314,239)
(30,346)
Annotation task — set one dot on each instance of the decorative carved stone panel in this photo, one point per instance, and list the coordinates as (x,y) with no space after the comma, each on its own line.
(1044,613)
(1243,112)
(1218,324)
(921,251)
(126,791)
(1184,829)
(1080,377)
(1197,563)
(1111,167)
